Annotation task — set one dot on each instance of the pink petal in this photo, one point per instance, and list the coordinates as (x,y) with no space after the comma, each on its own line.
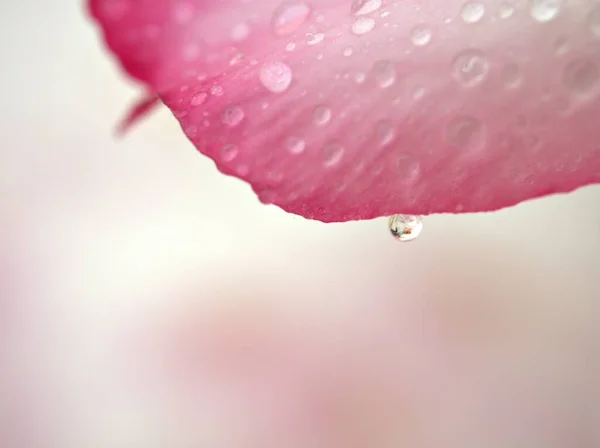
(140,109)
(339,110)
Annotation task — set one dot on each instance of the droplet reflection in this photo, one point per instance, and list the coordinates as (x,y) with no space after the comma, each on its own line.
(405,228)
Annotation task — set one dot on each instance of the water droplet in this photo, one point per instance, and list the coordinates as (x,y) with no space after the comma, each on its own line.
(470,67)
(332,154)
(593,21)
(294,145)
(466,133)
(363,25)
(384,73)
(198,99)
(360,77)
(506,11)
(348,51)
(232,116)
(216,90)
(290,46)
(229,152)
(511,75)
(581,76)
(363,7)
(545,10)
(385,133)
(321,115)
(420,35)
(472,12)
(191,131)
(289,16)
(276,76)
(405,228)
(314,38)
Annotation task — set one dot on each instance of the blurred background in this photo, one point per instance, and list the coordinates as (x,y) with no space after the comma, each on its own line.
(148,301)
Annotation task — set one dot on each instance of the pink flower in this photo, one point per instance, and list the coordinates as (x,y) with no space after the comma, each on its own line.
(347,109)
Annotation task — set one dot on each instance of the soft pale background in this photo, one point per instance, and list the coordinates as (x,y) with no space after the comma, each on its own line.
(110,245)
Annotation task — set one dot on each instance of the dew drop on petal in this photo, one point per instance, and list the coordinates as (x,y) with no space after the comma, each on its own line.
(470,67)
(321,115)
(332,154)
(466,133)
(545,10)
(363,7)
(420,35)
(232,116)
(359,77)
(472,12)
(363,25)
(405,228)
(198,99)
(294,145)
(289,16)
(506,11)
(384,73)
(216,90)
(385,133)
(314,38)
(276,76)
(229,152)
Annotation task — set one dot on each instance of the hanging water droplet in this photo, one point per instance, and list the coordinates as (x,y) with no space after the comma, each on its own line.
(405,228)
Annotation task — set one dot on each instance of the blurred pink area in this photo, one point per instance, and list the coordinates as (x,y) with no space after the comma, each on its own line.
(148,301)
